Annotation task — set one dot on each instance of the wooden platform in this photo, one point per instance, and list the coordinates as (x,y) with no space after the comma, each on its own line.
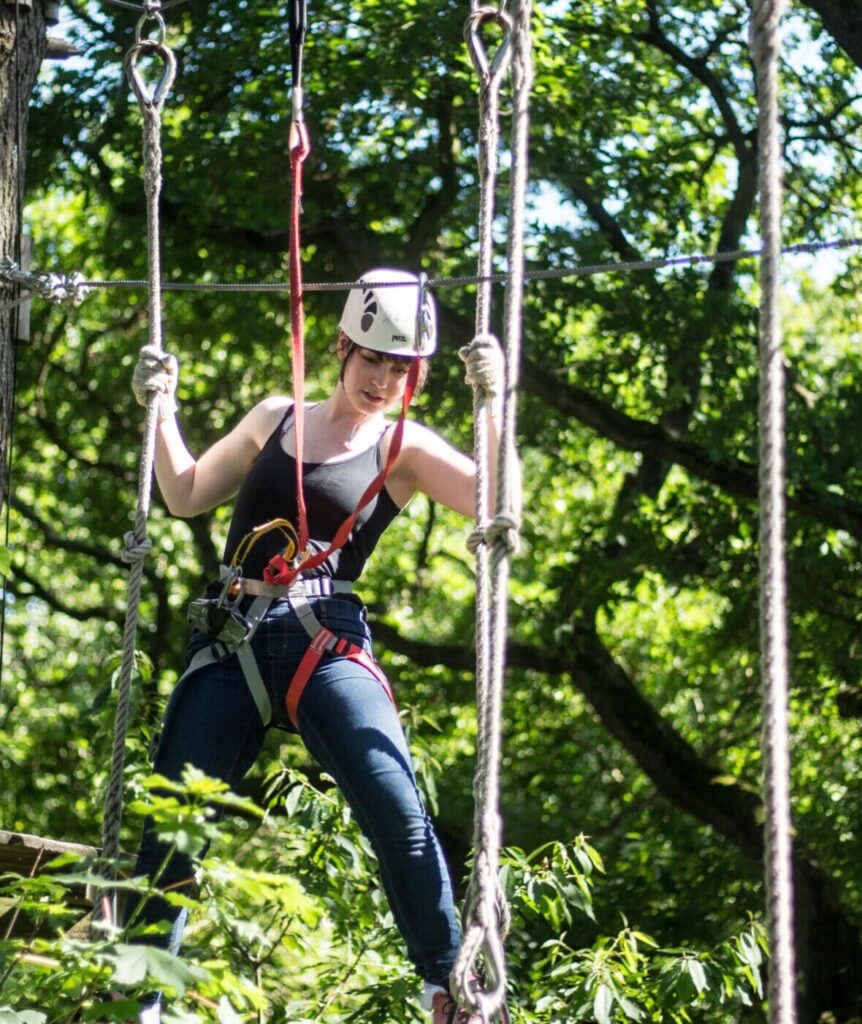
(26,855)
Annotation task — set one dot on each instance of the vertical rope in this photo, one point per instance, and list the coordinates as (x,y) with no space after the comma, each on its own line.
(766,47)
(485,912)
(137,543)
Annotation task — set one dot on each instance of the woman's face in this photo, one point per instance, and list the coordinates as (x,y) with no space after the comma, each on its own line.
(372,381)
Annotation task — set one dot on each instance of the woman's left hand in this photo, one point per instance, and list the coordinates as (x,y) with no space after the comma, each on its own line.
(485,365)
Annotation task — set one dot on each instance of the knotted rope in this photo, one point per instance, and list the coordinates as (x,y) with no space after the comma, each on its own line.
(137,544)
(485,916)
(766,48)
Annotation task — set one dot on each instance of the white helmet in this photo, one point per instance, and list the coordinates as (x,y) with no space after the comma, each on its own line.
(385,319)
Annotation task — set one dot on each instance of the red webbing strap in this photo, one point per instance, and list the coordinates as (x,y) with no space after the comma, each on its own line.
(300,147)
(321,642)
(278,571)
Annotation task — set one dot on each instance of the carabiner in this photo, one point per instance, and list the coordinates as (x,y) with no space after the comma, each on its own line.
(231,592)
(423,314)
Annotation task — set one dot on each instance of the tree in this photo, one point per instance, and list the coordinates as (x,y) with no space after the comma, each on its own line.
(22,48)
(633,680)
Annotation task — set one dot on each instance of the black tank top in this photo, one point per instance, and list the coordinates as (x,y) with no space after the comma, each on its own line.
(332,492)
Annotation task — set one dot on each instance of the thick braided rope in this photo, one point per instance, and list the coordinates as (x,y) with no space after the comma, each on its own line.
(765,38)
(479,931)
(485,914)
(137,544)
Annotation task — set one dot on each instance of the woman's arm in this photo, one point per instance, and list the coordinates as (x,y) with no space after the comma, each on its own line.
(190,486)
(431,465)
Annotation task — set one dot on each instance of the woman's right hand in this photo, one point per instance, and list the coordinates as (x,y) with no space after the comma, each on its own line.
(156,372)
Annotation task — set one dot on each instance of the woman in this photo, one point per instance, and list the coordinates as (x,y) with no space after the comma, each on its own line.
(342,709)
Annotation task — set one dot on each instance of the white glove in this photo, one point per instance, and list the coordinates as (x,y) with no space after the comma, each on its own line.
(485,365)
(156,371)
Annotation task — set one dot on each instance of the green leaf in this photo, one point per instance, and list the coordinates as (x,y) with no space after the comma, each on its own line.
(603,1003)
(226,1013)
(132,965)
(5,560)
(10,1016)
(697,975)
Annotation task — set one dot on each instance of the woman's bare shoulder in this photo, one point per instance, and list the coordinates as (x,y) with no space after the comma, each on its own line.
(264,417)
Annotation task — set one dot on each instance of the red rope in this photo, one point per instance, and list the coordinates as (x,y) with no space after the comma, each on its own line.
(300,147)
(278,571)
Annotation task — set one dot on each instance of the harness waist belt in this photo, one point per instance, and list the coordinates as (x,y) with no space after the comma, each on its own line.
(316,586)
(322,641)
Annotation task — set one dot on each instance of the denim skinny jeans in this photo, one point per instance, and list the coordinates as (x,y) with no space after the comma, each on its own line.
(351,728)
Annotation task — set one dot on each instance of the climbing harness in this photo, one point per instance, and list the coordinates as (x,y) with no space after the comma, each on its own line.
(299,147)
(150,102)
(231,629)
(285,575)
(766,46)
(485,914)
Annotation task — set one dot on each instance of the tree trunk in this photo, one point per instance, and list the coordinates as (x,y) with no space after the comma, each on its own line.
(22,48)
(842,19)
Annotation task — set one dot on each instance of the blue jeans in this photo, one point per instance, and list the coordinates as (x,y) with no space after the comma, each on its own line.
(349,725)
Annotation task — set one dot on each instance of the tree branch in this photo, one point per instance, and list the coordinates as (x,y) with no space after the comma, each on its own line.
(656,441)
(842,19)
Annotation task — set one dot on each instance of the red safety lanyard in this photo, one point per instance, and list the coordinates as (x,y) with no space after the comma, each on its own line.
(299,150)
(278,571)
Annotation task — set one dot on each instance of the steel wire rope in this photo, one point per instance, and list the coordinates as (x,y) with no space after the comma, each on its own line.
(137,544)
(73,288)
(766,51)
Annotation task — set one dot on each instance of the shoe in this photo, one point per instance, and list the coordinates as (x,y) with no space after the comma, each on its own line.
(444,1010)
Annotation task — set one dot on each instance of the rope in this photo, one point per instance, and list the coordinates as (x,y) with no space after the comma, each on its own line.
(299,146)
(766,47)
(137,544)
(73,288)
(485,916)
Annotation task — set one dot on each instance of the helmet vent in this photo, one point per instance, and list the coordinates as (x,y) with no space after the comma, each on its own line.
(369,310)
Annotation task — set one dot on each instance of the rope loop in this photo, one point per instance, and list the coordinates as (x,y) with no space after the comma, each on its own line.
(479,17)
(480,944)
(298,142)
(157,48)
(502,531)
(136,549)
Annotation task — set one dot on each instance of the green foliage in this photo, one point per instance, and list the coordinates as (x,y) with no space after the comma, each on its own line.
(637,425)
(292,928)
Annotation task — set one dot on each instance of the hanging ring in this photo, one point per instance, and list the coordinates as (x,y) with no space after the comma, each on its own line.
(150,15)
(151,48)
(478,18)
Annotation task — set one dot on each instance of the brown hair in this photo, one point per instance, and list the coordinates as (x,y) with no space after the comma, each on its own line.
(352,345)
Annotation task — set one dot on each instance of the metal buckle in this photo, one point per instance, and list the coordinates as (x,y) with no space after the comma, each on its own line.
(220,618)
